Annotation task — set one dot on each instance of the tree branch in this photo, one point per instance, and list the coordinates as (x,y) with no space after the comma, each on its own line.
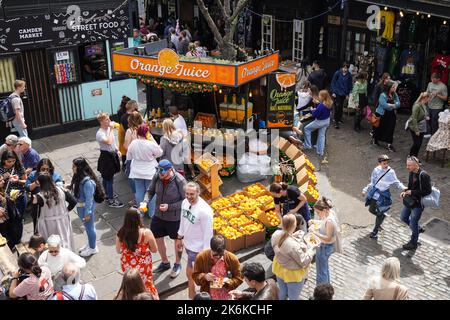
(222,11)
(209,20)
(226,4)
(240,6)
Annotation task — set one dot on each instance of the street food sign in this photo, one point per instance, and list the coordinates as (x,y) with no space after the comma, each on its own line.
(167,65)
(280,100)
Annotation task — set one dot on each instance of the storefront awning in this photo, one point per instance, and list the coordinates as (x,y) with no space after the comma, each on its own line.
(168,65)
(435,8)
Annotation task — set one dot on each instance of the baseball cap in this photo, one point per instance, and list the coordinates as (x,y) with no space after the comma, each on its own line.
(383,157)
(164,166)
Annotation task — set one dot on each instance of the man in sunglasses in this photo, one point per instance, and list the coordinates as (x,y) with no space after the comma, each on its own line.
(168,186)
(196,228)
(10,143)
(419,186)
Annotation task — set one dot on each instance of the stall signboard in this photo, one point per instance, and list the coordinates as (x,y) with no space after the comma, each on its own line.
(167,65)
(64,29)
(280,100)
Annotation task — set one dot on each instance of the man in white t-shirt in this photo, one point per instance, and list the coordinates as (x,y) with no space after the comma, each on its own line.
(178,120)
(19,121)
(196,228)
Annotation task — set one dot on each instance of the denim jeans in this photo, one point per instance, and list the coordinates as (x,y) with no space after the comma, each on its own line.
(141,186)
(89,225)
(291,290)
(411,217)
(108,186)
(320,125)
(322,255)
(151,205)
(21,131)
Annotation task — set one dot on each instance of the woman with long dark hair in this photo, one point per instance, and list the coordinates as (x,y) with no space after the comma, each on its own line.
(53,215)
(132,285)
(291,199)
(121,131)
(84,185)
(136,245)
(387,104)
(15,177)
(44,166)
(36,281)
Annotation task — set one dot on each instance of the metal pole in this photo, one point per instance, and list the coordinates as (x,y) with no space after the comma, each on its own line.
(344,30)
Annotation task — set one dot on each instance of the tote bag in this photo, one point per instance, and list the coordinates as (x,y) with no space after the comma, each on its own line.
(431,200)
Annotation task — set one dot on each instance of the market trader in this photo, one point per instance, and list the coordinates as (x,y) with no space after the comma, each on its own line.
(293,200)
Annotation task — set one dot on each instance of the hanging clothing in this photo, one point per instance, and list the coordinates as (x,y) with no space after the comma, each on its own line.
(387,19)
(409,53)
(412,29)
(393,65)
(380,53)
(441,65)
(441,139)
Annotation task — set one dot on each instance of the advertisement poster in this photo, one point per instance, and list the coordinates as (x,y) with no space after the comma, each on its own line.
(60,29)
(280,100)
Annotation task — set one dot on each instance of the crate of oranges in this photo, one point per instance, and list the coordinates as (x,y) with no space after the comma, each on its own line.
(234,239)
(205,162)
(266,201)
(240,221)
(255,214)
(312,194)
(312,178)
(238,198)
(220,204)
(255,233)
(249,206)
(269,218)
(230,212)
(255,190)
(219,222)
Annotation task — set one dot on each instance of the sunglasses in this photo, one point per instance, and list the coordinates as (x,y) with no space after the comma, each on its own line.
(53,251)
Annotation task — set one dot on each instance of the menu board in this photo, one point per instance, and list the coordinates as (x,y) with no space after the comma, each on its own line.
(280,99)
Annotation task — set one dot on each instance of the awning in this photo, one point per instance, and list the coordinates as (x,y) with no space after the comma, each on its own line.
(440,8)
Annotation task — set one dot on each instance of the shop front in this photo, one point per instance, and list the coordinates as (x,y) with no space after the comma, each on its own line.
(67,65)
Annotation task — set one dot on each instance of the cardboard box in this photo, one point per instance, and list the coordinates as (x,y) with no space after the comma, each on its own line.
(234,245)
(254,238)
(304,187)
(293,152)
(300,163)
(302,176)
(281,143)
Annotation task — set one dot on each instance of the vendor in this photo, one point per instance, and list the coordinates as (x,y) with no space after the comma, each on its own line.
(178,120)
(292,199)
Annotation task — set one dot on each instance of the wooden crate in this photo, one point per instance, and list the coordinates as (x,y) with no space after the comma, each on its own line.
(255,196)
(263,219)
(207,156)
(255,238)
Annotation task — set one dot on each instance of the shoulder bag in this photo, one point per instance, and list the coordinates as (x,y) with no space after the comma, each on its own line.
(373,204)
(431,200)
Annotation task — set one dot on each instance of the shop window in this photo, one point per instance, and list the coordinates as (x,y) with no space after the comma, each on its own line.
(333,42)
(7,75)
(94,64)
(116,46)
(355,45)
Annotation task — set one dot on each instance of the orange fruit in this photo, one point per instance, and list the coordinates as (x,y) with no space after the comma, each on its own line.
(168,58)
(285,80)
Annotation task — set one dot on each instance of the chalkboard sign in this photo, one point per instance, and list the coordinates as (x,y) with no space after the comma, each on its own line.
(280,99)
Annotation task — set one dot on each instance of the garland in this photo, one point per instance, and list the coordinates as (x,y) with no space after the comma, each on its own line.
(173,85)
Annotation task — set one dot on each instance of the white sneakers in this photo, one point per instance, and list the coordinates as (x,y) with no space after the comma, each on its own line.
(88,251)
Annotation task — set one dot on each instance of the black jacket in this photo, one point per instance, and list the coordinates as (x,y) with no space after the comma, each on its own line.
(317,78)
(419,189)
(269,292)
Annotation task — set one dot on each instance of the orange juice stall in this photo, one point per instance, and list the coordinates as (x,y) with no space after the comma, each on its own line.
(231,84)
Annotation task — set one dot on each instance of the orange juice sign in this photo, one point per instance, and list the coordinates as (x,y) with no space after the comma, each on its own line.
(280,100)
(168,65)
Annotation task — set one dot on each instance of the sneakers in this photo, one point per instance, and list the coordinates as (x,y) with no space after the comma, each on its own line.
(421,230)
(89,252)
(427,136)
(162,267)
(175,270)
(83,248)
(115,203)
(115,196)
(409,246)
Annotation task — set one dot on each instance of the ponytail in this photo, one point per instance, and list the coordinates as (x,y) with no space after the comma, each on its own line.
(289,223)
(29,262)
(36,270)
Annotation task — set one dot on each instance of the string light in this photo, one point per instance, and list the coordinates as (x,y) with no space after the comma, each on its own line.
(445,21)
(385,8)
(417,13)
(250,94)
(429,15)
(401,14)
(220,91)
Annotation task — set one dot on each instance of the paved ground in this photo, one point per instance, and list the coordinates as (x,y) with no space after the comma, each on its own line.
(351,158)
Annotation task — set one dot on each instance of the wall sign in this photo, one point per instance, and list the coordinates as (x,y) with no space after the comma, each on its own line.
(62,55)
(334,20)
(53,29)
(280,100)
(96,92)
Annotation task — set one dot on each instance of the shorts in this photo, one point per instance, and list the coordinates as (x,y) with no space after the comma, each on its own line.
(162,228)
(191,258)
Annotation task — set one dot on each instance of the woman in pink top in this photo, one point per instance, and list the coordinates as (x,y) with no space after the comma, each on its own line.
(37,285)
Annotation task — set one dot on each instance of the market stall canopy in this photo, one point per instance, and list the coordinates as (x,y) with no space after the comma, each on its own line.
(166,64)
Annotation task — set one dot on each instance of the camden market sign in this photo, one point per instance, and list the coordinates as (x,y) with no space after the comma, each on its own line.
(74,27)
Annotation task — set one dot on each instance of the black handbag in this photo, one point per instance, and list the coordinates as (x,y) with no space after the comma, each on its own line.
(408,201)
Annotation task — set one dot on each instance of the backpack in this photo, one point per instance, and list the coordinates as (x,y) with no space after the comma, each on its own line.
(60,295)
(99,194)
(7,113)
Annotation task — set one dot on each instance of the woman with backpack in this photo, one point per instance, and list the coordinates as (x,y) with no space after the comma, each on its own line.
(53,215)
(328,236)
(292,259)
(378,196)
(86,187)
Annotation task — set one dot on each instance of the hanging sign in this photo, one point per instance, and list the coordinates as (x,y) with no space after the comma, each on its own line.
(280,100)
(62,55)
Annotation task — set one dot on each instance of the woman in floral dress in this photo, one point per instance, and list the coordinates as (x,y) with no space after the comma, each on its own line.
(136,245)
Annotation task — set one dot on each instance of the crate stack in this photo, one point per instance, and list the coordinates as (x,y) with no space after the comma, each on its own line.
(305,176)
(209,179)
(242,218)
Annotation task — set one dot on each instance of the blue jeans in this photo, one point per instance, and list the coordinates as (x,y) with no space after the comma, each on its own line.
(291,290)
(21,131)
(411,217)
(322,255)
(127,173)
(89,225)
(141,186)
(320,125)
(151,205)
(108,186)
